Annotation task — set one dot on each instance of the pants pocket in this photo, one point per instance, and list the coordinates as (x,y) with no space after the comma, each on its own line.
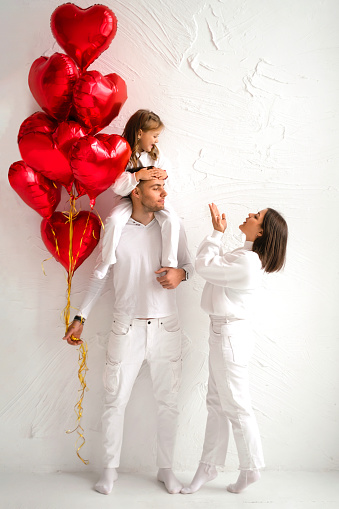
(119,341)
(170,323)
(120,327)
(238,348)
(176,367)
(111,377)
(170,339)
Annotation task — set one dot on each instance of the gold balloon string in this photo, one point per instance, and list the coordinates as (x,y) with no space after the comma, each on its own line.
(57,250)
(102,224)
(82,238)
(56,242)
(42,264)
(83,350)
(71,214)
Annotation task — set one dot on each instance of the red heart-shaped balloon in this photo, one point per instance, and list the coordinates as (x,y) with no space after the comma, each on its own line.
(86,234)
(45,146)
(34,189)
(98,99)
(97,161)
(51,81)
(38,122)
(83,33)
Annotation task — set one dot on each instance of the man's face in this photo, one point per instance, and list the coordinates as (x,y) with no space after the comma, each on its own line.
(152,194)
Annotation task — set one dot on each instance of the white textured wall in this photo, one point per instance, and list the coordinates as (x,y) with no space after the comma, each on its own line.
(248,91)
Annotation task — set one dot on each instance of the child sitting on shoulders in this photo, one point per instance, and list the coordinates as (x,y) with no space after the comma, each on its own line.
(146,163)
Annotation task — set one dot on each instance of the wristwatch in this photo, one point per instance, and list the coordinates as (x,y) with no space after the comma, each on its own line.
(80,319)
(186,275)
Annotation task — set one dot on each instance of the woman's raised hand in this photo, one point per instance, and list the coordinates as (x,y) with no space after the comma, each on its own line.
(218,221)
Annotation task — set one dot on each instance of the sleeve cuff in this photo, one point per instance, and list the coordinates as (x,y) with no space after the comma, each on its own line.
(217,235)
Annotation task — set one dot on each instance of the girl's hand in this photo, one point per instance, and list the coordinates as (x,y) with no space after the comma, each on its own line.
(160,174)
(218,221)
(150,174)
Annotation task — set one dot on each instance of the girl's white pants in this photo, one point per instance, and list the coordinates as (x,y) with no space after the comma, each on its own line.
(158,341)
(228,398)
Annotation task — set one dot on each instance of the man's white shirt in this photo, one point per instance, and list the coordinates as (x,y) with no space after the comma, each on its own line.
(137,293)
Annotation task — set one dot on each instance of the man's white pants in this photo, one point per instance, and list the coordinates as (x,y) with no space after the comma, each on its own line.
(228,397)
(159,342)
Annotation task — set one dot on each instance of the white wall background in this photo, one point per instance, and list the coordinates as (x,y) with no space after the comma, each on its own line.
(248,91)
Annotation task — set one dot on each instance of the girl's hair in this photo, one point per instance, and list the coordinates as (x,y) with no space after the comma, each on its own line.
(271,246)
(145,120)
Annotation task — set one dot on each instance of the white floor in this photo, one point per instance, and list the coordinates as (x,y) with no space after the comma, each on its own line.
(277,490)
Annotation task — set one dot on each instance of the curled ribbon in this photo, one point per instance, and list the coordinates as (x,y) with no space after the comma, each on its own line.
(83,349)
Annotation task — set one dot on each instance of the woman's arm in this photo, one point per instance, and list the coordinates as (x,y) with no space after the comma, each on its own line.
(229,269)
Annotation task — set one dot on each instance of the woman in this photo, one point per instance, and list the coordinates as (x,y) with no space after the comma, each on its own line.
(231,281)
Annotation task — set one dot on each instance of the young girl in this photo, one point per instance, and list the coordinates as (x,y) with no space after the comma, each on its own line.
(231,280)
(146,163)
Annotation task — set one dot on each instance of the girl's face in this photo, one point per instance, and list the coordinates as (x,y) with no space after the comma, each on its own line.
(251,227)
(148,139)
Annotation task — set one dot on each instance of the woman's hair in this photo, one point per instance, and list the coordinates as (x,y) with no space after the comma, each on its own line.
(145,120)
(271,246)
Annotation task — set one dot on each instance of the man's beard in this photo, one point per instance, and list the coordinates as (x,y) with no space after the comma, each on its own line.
(153,208)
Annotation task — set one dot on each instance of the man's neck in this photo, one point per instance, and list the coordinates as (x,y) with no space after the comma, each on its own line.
(142,216)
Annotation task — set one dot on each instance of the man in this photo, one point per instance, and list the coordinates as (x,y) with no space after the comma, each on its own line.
(145,326)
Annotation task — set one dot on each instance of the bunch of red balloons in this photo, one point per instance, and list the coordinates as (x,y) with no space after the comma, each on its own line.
(61,145)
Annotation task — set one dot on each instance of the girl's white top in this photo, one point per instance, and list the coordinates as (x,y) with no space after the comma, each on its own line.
(231,277)
(126,182)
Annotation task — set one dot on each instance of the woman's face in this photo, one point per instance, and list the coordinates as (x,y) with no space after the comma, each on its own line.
(251,227)
(148,139)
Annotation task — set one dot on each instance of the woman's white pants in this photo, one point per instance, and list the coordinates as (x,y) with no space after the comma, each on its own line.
(228,398)
(158,341)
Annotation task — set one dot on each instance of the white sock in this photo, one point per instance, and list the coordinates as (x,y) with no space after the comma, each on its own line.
(106,481)
(204,474)
(246,477)
(172,484)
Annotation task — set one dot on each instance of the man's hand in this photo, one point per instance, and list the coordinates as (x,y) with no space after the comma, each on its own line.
(150,174)
(74,331)
(218,221)
(172,277)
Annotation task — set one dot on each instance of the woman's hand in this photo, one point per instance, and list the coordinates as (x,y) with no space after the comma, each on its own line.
(218,221)
(150,174)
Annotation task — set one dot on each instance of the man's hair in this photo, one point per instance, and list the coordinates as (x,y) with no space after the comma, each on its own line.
(271,246)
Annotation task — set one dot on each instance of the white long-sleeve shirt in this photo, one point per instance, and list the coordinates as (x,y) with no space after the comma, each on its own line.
(126,182)
(231,278)
(136,292)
